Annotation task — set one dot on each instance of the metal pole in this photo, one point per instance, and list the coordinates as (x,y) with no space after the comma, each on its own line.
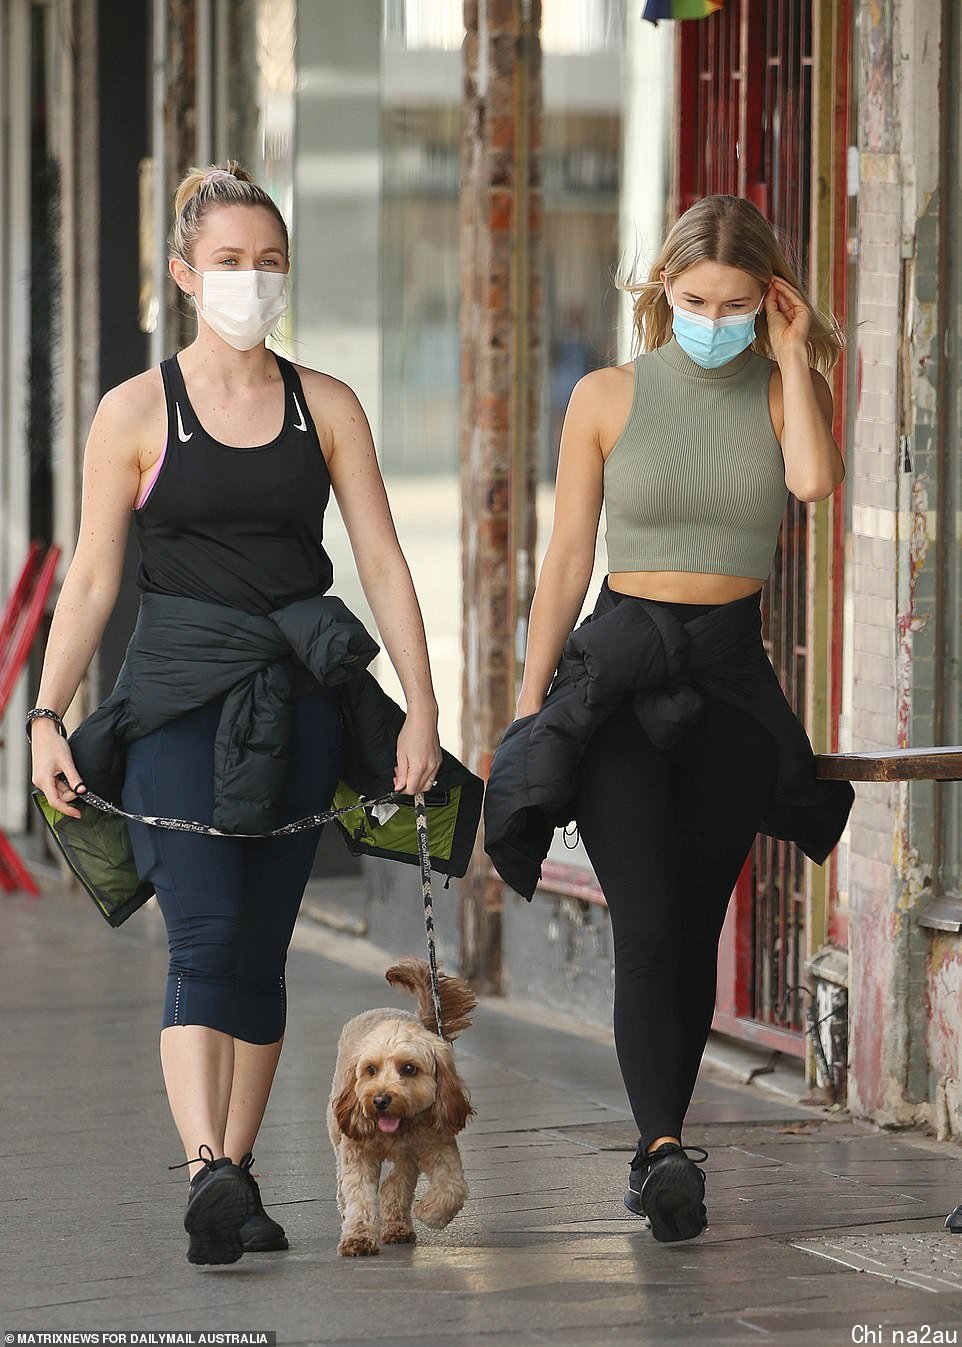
(947,403)
(158,151)
(203,23)
(221,81)
(519,557)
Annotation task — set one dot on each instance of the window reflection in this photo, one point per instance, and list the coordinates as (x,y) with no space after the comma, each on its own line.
(414,24)
(607,79)
(420,285)
(376,241)
(584,74)
(582,26)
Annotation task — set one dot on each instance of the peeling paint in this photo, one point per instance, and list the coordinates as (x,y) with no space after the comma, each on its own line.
(945,1035)
(877,32)
(917,544)
(913,873)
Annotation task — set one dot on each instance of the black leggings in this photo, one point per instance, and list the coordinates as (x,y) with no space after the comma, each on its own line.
(667,832)
(229,903)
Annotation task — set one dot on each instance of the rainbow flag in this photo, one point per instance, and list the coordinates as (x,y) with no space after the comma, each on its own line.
(680,9)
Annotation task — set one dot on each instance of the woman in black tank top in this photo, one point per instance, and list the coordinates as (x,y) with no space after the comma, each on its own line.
(226,457)
(230,525)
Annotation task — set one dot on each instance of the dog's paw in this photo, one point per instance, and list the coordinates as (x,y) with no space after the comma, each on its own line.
(357,1246)
(435,1213)
(398,1233)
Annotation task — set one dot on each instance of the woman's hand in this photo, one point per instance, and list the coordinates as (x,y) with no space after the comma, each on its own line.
(789,319)
(52,762)
(418,753)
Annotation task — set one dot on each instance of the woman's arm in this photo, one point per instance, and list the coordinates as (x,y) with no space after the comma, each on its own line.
(568,561)
(382,569)
(111,477)
(803,400)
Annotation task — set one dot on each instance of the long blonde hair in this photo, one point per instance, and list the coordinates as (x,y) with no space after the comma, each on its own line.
(732,231)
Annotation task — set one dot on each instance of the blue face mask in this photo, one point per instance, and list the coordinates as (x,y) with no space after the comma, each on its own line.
(711,342)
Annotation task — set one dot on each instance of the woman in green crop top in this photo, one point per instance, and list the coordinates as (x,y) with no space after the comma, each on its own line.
(693,447)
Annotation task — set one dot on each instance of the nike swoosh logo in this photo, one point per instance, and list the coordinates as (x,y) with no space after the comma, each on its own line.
(302,424)
(182,434)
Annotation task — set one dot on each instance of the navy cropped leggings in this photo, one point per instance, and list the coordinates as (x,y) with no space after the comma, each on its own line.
(667,832)
(229,903)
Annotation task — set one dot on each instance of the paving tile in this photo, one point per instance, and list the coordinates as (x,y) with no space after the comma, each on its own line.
(928,1260)
(544,1250)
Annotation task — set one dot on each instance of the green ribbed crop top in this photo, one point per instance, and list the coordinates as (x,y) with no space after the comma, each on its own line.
(696,479)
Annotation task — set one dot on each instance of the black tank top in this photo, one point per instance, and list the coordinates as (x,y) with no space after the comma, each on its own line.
(242,527)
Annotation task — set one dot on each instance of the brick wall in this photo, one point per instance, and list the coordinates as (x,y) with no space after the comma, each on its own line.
(501,297)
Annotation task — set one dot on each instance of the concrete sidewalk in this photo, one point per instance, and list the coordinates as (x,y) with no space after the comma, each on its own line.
(803,1206)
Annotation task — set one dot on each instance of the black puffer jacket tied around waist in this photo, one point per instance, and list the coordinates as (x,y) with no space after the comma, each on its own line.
(184,653)
(628,647)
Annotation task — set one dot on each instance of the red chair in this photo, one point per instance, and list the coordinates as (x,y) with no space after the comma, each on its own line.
(18,630)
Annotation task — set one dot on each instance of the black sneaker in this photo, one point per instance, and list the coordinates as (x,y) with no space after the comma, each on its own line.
(259,1233)
(218,1203)
(636,1177)
(668,1189)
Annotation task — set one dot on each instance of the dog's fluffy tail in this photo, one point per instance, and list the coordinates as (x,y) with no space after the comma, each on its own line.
(457,998)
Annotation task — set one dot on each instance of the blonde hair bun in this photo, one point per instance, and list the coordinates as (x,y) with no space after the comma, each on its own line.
(228,184)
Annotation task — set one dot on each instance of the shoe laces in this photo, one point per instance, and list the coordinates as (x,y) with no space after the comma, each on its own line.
(206,1160)
(245,1164)
(645,1159)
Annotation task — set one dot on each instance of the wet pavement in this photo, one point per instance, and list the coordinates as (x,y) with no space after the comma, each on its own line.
(823,1230)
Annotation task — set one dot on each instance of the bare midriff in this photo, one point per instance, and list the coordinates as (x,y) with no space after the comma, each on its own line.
(683,586)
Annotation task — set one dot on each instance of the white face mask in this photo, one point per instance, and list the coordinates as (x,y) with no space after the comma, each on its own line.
(242,306)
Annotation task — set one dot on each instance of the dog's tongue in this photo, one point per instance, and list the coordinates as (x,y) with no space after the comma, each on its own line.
(386,1124)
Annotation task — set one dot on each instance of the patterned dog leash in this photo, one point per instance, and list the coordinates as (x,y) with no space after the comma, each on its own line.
(316,821)
(421,824)
(185,825)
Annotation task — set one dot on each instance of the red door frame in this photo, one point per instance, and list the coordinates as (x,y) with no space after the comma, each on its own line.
(720,60)
(842,211)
